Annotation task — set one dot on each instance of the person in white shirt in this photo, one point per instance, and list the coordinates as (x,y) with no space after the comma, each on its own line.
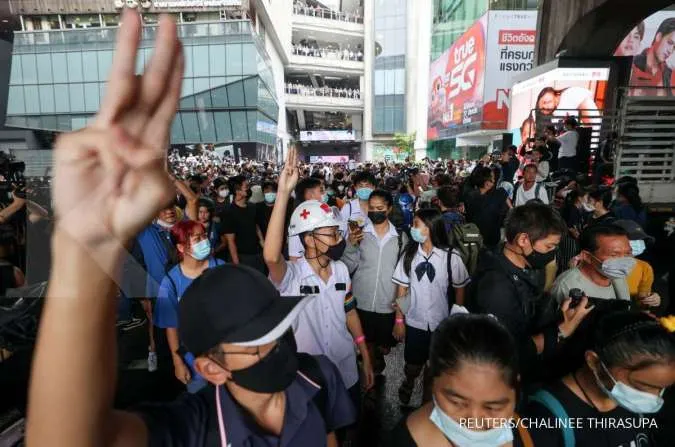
(530,189)
(567,156)
(429,276)
(329,325)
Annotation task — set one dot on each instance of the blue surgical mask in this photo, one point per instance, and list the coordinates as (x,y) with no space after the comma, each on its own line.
(636,401)
(461,436)
(270,197)
(324,198)
(417,235)
(201,250)
(617,268)
(638,247)
(364,193)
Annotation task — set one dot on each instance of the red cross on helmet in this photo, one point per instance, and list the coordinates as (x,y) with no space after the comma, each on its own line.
(309,216)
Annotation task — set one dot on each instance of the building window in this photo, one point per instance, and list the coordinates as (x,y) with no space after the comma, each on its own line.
(223,14)
(389,85)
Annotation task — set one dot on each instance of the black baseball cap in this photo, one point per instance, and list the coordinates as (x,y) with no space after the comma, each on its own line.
(234,304)
(634,230)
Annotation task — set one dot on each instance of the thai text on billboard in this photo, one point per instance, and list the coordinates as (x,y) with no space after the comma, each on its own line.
(510,51)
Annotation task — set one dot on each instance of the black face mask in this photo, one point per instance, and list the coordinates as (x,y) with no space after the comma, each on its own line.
(377,217)
(273,373)
(539,260)
(336,251)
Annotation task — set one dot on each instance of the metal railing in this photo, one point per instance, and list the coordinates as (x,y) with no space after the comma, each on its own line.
(328,53)
(328,92)
(329,14)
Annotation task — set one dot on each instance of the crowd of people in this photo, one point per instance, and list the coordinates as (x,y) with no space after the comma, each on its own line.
(302,8)
(345,54)
(333,92)
(274,294)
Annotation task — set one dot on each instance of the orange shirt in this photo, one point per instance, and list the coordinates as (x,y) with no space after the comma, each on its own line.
(641,279)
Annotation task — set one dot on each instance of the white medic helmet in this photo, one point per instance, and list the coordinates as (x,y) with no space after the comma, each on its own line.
(310,215)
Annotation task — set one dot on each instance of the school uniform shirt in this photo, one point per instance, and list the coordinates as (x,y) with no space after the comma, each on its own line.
(171,289)
(352,211)
(523,196)
(594,429)
(295,247)
(192,419)
(154,242)
(429,301)
(321,328)
(373,262)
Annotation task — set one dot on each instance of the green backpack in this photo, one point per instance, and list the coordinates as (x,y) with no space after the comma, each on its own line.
(467,240)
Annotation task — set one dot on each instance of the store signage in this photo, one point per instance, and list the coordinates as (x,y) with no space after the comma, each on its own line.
(195,3)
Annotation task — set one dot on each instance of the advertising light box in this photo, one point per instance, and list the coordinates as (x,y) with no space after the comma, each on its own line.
(555,95)
(652,45)
(470,82)
(327,135)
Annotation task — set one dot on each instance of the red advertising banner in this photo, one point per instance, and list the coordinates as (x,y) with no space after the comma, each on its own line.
(457,80)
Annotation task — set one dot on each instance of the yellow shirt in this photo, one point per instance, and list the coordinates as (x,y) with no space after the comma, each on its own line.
(641,279)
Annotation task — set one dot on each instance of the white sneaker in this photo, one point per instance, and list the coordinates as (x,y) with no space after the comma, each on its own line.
(152,361)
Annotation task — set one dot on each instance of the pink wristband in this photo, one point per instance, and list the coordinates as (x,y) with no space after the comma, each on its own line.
(359,340)
(400,321)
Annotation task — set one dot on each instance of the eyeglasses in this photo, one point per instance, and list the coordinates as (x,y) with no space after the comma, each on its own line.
(338,234)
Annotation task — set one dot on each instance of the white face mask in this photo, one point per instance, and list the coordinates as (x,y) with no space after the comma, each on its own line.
(223,193)
(164,224)
(462,436)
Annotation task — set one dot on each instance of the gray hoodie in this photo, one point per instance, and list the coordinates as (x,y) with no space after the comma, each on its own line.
(372,264)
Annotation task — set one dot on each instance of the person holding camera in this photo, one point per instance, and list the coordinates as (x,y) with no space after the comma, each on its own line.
(509,284)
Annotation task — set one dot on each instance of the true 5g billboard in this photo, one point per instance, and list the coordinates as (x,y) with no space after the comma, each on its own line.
(470,82)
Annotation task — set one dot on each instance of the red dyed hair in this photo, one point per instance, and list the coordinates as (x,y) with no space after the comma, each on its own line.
(181,232)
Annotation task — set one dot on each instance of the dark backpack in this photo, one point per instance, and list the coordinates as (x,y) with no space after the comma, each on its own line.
(468,241)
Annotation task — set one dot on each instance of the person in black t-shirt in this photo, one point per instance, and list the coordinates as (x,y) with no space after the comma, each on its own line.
(626,371)
(244,239)
(486,206)
(553,146)
(264,209)
(474,370)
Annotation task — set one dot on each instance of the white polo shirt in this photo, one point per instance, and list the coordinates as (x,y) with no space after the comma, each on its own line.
(429,301)
(352,210)
(295,247)
(321,328)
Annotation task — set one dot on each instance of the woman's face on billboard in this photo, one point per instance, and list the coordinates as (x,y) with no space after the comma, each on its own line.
(547,104)
(630,46)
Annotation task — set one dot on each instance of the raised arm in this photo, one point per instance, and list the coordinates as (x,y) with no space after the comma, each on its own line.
(110,181)
(288,177)
(192,207)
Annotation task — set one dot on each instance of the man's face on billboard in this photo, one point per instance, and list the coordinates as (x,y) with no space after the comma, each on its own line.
(547,104)
(665,45)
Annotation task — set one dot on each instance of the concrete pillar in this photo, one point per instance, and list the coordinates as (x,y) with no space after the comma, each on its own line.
(357,124)
(423,29)
(367,82)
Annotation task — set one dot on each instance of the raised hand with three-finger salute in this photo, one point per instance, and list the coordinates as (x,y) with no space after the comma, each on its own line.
(110,180)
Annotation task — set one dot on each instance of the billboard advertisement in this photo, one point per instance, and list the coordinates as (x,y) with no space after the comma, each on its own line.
(510,51)
(329,159)
(470,82)
(652,45)
(327,135)
(557,94)
(457,80)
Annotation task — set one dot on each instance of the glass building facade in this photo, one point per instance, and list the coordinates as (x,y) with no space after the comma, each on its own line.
(58,80)
(389,84)
(451,18)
